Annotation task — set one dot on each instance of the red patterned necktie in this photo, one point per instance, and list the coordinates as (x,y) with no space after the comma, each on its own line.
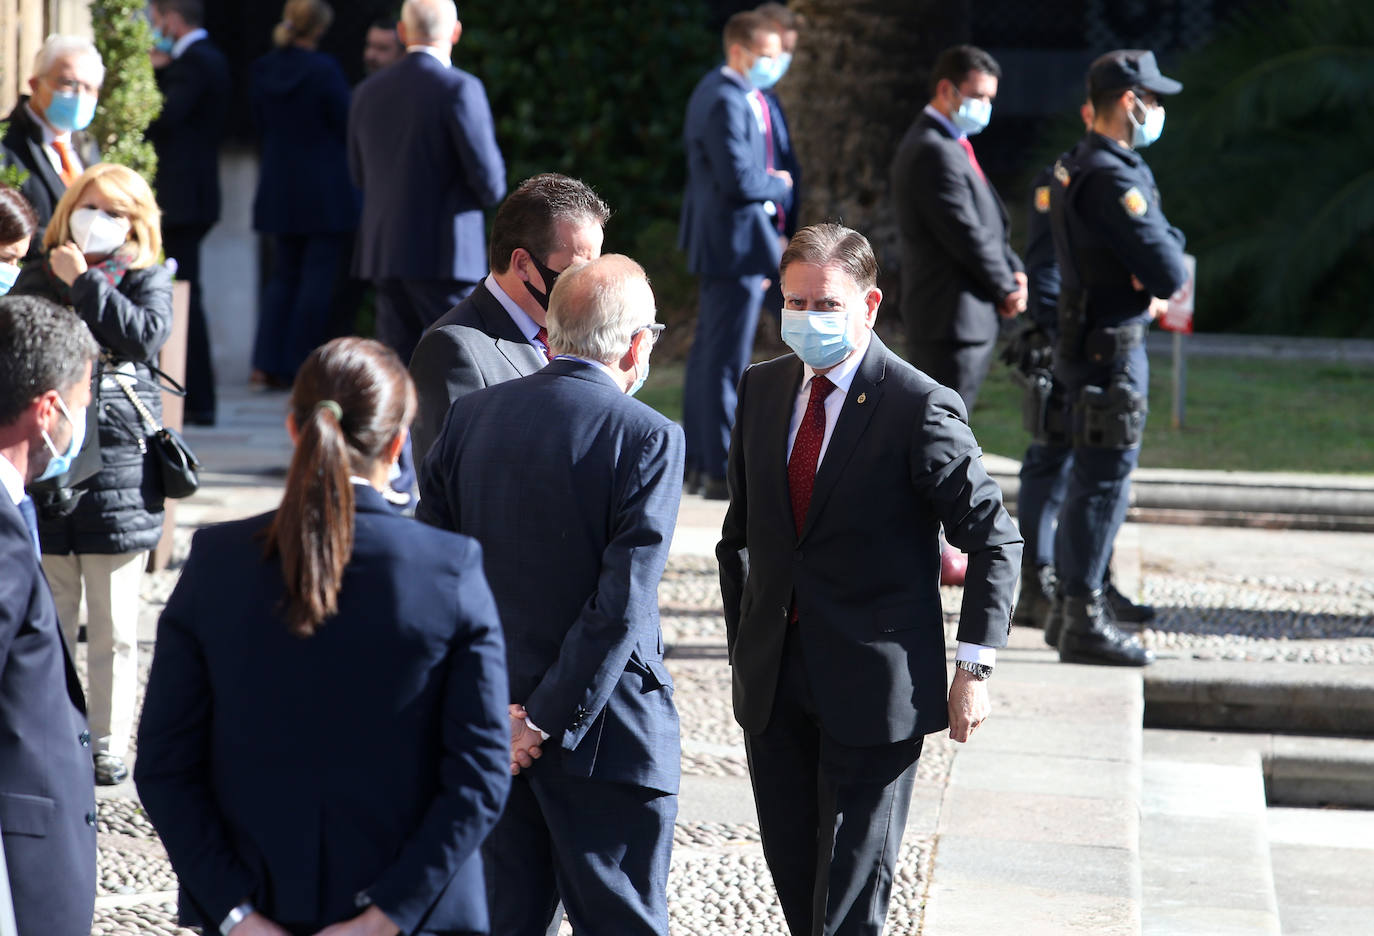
(543,336)
(806,450)
(973,160)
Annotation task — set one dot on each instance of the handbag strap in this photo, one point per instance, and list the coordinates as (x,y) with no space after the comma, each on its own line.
(126,385)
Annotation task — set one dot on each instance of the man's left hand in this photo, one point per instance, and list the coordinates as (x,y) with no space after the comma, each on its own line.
(969,705)
(524,740)
(371,922)
(68,262)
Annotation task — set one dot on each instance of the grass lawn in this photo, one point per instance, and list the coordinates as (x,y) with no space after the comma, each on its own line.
(1242,414)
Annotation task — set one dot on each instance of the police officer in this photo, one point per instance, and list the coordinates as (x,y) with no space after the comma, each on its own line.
(1045,467)
(1119,260)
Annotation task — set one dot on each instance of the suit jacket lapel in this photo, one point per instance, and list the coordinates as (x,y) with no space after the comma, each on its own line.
(514,347)
(776,421)
(849,426)
(51,180)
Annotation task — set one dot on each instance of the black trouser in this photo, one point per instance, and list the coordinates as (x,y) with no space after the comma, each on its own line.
(182,243)
(831,816)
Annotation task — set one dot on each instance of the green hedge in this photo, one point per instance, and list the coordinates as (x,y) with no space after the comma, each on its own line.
(129,100)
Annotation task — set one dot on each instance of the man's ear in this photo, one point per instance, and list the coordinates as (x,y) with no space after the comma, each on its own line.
(457,32)
(401,34)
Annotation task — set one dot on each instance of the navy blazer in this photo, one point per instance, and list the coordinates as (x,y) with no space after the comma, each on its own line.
(422,147)
(724,227)
(473,345)
(365,763)
(956,259)
(22,148)
(572,488)
(47,789)
(300,107)
(865,572)
(187,134)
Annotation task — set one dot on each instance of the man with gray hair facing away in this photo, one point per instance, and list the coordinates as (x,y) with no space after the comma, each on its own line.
(422,147)
(572,488)
(46,135)
(47,797)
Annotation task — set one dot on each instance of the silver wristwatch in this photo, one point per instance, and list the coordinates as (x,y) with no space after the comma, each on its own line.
(234,917)
(979,671)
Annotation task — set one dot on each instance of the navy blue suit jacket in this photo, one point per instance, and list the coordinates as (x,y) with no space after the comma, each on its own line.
(572,488)
(367,762)
(865,571)
(187,134)
(300,107)
(724,228)
(422,147)
(785,157)
(47,789)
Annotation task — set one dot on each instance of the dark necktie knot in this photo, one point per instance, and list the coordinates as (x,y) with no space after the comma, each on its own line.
(543,337)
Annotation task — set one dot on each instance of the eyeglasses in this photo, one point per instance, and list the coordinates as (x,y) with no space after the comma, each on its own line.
(72,86)
(656,330)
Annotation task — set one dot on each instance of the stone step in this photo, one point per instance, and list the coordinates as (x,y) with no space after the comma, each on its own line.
(1295,698)
(1040,820)
(1204,840)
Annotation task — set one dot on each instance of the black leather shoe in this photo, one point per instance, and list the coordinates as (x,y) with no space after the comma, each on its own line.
(1037,591)
(109,769)
(715,489)
(1054,620)
(1089,636)
(691,481)
(1123,609)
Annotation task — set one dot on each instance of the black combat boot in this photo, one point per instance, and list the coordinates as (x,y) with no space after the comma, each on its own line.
(1089,636)
(1037,591)
(1123,609)
(1054,620)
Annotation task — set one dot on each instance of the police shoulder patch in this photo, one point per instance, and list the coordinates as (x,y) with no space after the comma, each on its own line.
(1134,202)
(1042,198)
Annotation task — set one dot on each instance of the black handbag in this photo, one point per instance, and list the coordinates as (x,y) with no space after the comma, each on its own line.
(176,463)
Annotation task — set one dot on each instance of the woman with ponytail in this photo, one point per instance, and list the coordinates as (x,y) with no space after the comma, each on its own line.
(324,741)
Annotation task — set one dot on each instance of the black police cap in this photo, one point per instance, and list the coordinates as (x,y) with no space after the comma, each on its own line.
(1129,68)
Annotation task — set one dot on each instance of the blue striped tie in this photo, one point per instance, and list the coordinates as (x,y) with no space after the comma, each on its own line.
(31,521)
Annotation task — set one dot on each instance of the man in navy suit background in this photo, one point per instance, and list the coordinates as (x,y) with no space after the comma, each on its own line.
(958,270)
(548,224)
(422,147)
(47,788)
(729,230)
(572,488)
(779,134)
(193,77)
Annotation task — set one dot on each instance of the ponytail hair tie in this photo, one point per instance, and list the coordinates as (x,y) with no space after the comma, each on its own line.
(333,407)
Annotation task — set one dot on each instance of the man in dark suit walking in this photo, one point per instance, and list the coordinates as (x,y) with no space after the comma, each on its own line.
(844,464)
(572,489)
(193,77)
(959,272)
(729,230)
(47,789)
(422,147)
(46,134)
(499,332)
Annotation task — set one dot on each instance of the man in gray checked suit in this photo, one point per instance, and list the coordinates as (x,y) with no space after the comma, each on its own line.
(548,224)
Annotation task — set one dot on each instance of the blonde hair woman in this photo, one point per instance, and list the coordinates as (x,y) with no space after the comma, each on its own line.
(101,258)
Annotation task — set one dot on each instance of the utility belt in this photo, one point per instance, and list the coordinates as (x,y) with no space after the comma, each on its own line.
(1110,417)
(1030,355)
(1079,341)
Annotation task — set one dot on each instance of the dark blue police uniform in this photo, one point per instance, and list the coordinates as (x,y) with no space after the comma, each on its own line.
(1108,227)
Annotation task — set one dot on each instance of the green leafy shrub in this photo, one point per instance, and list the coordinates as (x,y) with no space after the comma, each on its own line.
(129,100)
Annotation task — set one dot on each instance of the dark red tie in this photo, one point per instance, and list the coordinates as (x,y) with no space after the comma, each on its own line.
(806,450)
(973,160)
(543,335)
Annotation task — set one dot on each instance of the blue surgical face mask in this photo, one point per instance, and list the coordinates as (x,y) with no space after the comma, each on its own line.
(784,63)
(61,462)
(821,339)
(163,42)
(763,74)
(1145,133)
(973,115)
(639,382)
(9,272)
(70,110)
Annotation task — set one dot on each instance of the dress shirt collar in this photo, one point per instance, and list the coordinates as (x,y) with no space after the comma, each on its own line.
(842,375)
(188,40)
(604,368)
(440,57)
(945,122)
(49,134)
(528,326)
(12,480)
(737,78)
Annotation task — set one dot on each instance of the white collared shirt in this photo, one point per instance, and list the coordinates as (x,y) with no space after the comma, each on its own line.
(445,60)
(842,376)
(528,326)
(11,480)
(186,41)
(50,136)
(945,122)
(756,104)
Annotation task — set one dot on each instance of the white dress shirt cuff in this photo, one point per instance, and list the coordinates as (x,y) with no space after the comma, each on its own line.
(976,653)
(533,727)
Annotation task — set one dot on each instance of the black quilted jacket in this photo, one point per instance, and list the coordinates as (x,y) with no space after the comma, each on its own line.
(121,511)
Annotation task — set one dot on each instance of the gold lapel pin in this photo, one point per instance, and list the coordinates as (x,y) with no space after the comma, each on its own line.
(862,397)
